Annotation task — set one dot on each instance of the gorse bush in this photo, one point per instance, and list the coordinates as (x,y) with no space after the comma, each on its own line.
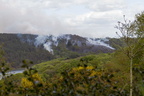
(82,80)
(87,81)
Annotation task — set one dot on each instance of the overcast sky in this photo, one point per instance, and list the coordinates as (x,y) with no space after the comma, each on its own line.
(88,18)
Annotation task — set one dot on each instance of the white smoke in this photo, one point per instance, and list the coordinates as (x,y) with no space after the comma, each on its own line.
(99,42)
(47,41)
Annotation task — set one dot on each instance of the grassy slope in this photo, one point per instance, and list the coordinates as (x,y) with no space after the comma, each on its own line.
(115,63)
(57,66)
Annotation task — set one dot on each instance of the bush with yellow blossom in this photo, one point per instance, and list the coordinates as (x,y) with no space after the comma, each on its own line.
(86,80)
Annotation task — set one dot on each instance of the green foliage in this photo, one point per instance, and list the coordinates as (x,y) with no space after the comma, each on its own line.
(139,23)
(6,84)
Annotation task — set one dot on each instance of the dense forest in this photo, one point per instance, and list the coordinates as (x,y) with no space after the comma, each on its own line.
(116,73)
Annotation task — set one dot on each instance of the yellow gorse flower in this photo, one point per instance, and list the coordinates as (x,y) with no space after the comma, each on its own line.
(80,68)
(89,67)
(26,83)
(93,73)
(77,69)
(29,84)
(36,77)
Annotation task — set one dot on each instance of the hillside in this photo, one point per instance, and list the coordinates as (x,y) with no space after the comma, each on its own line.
(56,66)
(39,48)
(16,51)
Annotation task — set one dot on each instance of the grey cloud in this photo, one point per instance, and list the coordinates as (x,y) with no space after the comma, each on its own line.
(16,19)
(29,16)
(107,5)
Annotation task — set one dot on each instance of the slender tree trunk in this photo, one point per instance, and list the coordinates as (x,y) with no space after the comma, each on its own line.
(131,76)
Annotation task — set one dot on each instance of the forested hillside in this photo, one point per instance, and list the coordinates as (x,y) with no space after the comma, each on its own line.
(15,51)
(18,47)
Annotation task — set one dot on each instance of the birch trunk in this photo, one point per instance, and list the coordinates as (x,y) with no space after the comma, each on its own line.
(131,77)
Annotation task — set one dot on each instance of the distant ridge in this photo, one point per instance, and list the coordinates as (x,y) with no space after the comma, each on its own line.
(39,48)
